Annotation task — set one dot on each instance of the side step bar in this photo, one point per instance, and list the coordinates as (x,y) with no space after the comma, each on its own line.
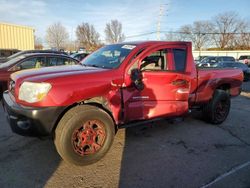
(137,123)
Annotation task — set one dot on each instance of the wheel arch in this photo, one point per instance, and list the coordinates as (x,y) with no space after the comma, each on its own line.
(225,87)
(98,102)
(209,111)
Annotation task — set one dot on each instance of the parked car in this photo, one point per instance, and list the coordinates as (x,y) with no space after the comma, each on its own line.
(29,61)
(118,85)
(3,60)
(210,60)
(245,59)
(80,55)
(4,53)
(199,58)
(245,69)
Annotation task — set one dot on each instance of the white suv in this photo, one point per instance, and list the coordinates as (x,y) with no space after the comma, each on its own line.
(245,59)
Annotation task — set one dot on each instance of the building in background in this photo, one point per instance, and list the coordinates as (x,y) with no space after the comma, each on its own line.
(14,38)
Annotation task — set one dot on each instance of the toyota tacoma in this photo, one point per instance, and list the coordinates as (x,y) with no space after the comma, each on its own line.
(82,106)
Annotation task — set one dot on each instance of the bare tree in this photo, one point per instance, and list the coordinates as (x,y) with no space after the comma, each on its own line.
(224,31)
(72,46)
(57,36)
(185,33)
(173,36)
(87,36)
(201,38)
(225,27)
(38,43)
(113,32)
(182,34)
(197,33)
(242,40)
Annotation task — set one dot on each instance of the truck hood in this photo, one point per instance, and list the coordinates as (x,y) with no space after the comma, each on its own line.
(56,71)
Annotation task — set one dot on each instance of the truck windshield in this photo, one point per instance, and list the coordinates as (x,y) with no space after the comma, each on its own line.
(110,56)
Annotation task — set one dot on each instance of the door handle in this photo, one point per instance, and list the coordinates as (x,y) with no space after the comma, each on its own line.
(179,82)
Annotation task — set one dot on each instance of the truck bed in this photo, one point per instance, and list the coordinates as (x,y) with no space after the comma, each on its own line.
(209,79)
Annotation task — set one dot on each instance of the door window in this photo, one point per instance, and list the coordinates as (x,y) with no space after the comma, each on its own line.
(156,61)
(180,59)
(65,61)
(57,61)
(52,61)
(37,62)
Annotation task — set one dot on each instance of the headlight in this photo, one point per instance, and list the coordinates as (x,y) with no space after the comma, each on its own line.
(33,92)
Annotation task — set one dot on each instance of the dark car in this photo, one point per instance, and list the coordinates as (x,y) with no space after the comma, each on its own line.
(199,58)
(3,60)
(29,61)
(79,56)
(243,67)
(209,61)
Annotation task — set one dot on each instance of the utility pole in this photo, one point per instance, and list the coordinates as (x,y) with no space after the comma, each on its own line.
(158,33)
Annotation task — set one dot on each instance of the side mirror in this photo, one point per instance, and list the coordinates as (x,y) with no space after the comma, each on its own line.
(136,77)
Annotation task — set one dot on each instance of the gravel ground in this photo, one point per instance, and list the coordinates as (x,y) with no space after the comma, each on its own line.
(187,153)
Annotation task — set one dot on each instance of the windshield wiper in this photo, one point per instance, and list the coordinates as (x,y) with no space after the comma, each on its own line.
(94,65)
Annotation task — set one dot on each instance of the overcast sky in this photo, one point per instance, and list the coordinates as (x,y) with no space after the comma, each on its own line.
(137,16)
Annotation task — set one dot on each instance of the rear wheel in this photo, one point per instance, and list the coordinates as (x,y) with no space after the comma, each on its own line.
(217,110)
(84,135)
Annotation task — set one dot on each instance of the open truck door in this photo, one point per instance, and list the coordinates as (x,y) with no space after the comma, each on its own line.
(160,85)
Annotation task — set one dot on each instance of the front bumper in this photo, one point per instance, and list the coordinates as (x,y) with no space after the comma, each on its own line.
(30,121)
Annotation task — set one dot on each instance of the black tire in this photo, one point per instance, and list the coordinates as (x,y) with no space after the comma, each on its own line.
(1,93)
(3,87)
(217,110)
(71,129)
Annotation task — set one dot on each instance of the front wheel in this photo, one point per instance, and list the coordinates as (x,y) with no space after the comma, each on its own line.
(217,110)
(84,135)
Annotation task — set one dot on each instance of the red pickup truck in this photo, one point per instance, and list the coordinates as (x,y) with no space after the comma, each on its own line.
(83,106)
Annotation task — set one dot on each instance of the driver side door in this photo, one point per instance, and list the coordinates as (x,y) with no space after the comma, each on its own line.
(166,85)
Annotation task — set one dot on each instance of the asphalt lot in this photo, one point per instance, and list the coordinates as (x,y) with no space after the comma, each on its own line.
(187,153)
